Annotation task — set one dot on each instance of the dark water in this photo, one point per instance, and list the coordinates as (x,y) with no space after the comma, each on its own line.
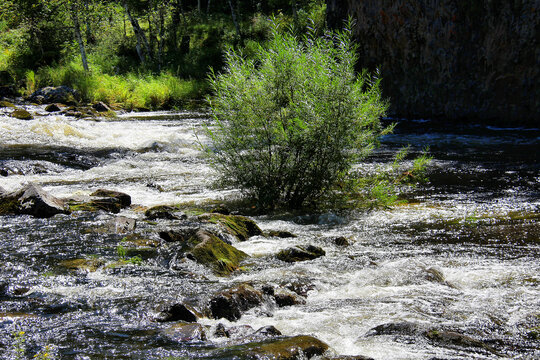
(463,254)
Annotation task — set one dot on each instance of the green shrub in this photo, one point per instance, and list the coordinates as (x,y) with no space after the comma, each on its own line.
(291,120)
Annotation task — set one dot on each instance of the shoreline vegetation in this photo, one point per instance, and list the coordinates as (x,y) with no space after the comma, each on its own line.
(134,55)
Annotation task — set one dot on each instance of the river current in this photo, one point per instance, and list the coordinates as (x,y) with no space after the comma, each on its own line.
(462,254)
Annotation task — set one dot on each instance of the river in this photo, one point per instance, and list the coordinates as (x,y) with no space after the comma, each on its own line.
(462,254)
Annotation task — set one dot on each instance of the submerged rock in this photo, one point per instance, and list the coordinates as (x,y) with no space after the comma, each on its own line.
(83,264)
(21,114)
(6,104)
(31,200)
(186,332)
(231,304)
(239,226)
(61,94)
(300,253)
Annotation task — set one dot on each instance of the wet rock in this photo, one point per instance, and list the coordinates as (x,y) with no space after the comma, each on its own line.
(61,94)
(164,212)
(123,199)
(268,331)
(237,332)
(21,114)
(299,286)
(121,225)
(101,107)
(231,304)
(289,348)
(186,332)
(181,235)
(221,209)
(239,226)
(340,241)
(106,200)
(285,297)
(348,357)
(443,337)
(6,104)
(399,328)
(83,264)
(31,200)
(280,234)
(300,253)
(177,312)
(4,287)
(52,108)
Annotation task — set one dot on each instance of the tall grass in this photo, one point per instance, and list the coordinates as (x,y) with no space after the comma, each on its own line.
(129,91)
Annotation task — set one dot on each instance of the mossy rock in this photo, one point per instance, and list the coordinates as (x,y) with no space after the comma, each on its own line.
(6,104)
(209,250)
(21,114)
(239,226)
(290,348)
(83,264)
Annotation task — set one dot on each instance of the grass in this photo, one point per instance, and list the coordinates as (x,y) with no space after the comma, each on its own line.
(131,91)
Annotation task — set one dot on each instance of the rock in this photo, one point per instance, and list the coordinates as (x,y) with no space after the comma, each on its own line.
(21,114)
(399,328)
(4,287)
(289,348)
(6,104)
(31,200)
(3,172)
(239,226)
(52,108)
(106,200)
(164,212)
(444,337)
(8,91)
(340,241)
(83,264)
(300,253)
(285,297)
(121,225)
(299,286)
(221,209)
(177,312)
(215,253)
(124,199)
(186,332)
(231,304)
(61,94)
(280,234)
(238,332)
(181,235)
(101,107)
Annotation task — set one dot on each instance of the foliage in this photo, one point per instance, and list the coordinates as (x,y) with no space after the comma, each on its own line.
(290,122)
(122,254)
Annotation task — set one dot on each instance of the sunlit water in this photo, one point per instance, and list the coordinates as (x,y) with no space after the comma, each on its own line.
(476,223)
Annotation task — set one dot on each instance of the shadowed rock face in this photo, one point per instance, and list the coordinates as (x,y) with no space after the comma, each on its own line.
(31,200)
(450,59)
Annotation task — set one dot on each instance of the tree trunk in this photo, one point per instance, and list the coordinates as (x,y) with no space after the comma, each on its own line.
(78,35)
(233,14)
(139,35)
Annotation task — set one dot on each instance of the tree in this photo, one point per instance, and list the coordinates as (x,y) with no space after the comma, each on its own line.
(290,122)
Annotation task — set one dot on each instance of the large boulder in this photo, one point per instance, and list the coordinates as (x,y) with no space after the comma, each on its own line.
(61,94)
(240,227)
(232,303)
(31,200)
(300,253)
(206,248)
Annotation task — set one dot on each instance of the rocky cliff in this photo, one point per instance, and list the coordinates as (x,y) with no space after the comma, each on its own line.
(451,59)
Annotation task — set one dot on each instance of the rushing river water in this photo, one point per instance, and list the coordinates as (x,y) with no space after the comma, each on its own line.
(463,254)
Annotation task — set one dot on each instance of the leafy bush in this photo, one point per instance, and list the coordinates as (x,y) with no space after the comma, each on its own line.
(292,119)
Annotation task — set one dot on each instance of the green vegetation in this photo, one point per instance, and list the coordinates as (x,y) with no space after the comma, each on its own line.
(291,120)
(130,53)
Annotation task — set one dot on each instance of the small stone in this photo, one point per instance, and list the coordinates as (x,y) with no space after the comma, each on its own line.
(285,297)
(164,212)
(176,312)
(341,241)
(190,332)
(281,234)
(230,304)
(82,264)
(124,199)
(6,104)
